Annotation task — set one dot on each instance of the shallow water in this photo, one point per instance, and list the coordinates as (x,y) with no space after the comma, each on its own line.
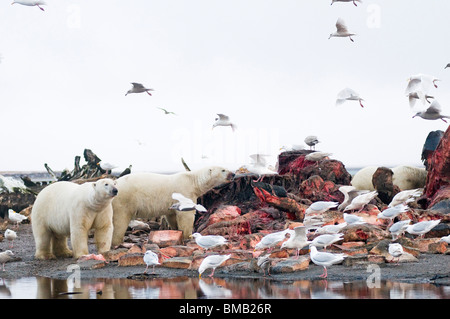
(216,288)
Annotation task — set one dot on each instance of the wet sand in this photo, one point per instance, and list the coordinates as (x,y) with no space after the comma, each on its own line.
(430,268)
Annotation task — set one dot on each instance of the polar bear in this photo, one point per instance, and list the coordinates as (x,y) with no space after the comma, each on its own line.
(147,195)
(405,177)
(65,209)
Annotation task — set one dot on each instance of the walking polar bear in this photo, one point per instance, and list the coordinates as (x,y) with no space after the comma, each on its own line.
(405,177)
(66,209)
(147,195)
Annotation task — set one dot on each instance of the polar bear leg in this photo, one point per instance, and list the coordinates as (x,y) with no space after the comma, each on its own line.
(79,241)
(103,238)
(185,222)
(121,219)
(43,245)
(59,247)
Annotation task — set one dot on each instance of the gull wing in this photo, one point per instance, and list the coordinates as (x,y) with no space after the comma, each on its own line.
(434,108)
(223,117)
(137,85)
(340,26)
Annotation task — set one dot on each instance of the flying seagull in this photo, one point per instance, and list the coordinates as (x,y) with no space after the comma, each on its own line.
(433,112)
(354,1)
(348,94)
(341,30)
(224,120)
(166,112)
(138,88)
(31,3)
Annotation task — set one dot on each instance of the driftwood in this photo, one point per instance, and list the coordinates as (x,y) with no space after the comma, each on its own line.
(91,171)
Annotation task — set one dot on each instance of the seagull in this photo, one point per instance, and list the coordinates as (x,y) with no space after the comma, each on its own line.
(151,259)
(353,219)
(213,262)
(31,3)
(317,156)
(326,240)
(348,94)
(341,30)
(297,240)
(421,228)
(166,112)
(224,120)
(5,256)
(399,228)
(108,167)
(209,241)
(10,235)
(392,212)
(354,1)
(272,239)
(292,148)
(418,95)
(185,204)
(331,229)
(264,263)
(445,239)
(361,200)
(15,217)
(433,112)
(325,259)
(405,196)
(447,66)
(395,250)
(259,166)
(311,141)
(320,207)
(350,192)
(138,88)
(420,82)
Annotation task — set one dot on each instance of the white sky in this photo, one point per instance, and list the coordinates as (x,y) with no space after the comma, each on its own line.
(269,65)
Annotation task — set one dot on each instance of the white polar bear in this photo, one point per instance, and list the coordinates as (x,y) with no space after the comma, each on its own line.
(405,177)
(147,195)
(66,209)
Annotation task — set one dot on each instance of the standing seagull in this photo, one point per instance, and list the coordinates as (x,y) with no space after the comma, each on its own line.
(224,120)
(395,250)
(138,88)
(209,241)
(354,1)
(341,30)
(15,217)
(399,228)
(433,112)
(6,256)
(320,207)
(259,166)
(31,3)
(325,259)
(264,263)
(297,240)
(150,259)
(213,262)
(311,141)
(421,228)
(10,235)
(348,94)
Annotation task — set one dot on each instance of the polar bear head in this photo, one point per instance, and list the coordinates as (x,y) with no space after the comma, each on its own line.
(213,176)
(105,188)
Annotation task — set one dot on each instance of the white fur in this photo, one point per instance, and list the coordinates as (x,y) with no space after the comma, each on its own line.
(66,209)
(405,177)
(147,195)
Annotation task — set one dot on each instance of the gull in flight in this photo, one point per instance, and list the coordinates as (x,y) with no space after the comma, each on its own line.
(31,3)
(348,94)
(138,88)
(418,95)
(447,66)
(354,1)
(185,204)
(166,112)
(433,112)
(341,30)
(420,82)
(224,120)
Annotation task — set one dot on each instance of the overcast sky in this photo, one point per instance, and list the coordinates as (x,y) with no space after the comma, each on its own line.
(269,65)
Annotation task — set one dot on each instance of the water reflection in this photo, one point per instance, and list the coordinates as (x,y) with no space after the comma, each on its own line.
(217,288)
